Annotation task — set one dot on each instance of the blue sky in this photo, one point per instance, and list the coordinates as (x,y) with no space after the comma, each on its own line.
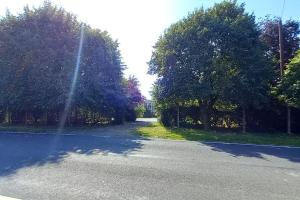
(260,8)
(137,24)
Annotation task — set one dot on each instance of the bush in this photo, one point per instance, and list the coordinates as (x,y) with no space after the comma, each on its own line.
(130,115)
(167,117)
(140,110)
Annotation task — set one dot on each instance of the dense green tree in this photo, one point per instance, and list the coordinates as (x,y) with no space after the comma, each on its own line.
(183,62)
(245,68)
(290,43)
(38,50)
(288,89)
(211,56)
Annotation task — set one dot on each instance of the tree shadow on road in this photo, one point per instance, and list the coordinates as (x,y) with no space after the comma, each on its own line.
(236,150)
(18,151)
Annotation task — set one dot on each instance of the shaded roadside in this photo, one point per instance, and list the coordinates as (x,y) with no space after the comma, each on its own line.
(256,151)
(5,129)
(18,151)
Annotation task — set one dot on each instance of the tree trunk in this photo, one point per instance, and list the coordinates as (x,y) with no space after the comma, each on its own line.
(45,118)
(69,118)
(26,118)
(177,116)
(94,118)
(7,117)
(244,122)
(57,117)
(205,121)
(35,119)
(205,116)
(289,120)
(76,116)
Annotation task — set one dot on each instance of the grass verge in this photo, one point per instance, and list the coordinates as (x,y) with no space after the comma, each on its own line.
(158,131)
(43,129)
(31,129)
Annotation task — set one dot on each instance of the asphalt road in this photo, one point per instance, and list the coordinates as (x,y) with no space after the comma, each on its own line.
(111,164)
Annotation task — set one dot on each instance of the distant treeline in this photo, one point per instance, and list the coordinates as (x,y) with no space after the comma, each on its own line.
(38,50)
(219,68)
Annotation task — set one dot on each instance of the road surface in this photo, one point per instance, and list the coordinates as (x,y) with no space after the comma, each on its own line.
(110,163)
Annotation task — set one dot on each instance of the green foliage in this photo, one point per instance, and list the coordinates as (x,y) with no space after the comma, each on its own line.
(167,117)
(211,56)
(244,71)
(38,54)
(272,116)
(156,130)
(288,89)
(140,110)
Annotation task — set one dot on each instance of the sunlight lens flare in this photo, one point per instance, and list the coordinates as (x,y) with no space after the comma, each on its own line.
(73,85)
